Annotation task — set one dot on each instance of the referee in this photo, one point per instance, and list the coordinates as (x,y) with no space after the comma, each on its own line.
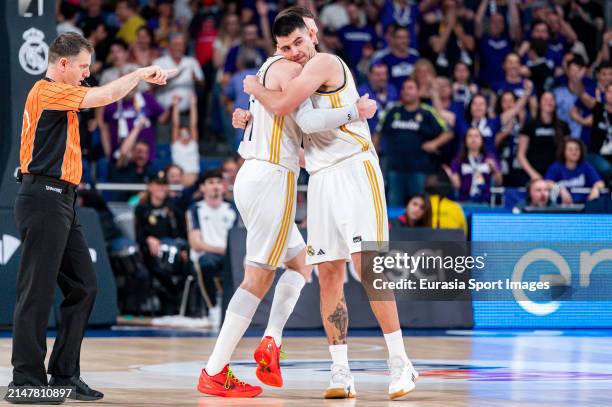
(53,245)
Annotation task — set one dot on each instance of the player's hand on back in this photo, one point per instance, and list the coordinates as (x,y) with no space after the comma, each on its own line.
(366,107)
(250,84)
(240,118)
(156,75)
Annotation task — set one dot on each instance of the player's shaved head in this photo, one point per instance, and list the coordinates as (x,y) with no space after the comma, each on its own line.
(287,24)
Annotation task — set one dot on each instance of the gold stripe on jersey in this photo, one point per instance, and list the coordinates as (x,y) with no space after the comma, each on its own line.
(281,238)
(335,102)
(275,142)
(378,205)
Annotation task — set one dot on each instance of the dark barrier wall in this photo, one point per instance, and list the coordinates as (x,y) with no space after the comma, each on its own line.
(105,308)
(27,27)
(413,314)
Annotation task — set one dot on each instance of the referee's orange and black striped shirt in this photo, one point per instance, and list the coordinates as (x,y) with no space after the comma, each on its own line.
(50,140)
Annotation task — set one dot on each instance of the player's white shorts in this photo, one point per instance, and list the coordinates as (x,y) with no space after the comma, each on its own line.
(346,206)
(265,195)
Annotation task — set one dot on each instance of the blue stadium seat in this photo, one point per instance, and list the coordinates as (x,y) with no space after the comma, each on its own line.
(209,164)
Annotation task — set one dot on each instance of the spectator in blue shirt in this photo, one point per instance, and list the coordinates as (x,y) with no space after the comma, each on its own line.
(513,81)
(355,35)
(567,94)
(401,58)
(380,90)
(493,46)
(463,87)
(571,170)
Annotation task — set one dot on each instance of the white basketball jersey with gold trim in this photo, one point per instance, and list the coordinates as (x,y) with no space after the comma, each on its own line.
(329,147)
(269,137)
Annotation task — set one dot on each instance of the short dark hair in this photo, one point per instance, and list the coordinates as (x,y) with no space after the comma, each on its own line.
(131,4)
(121,43)
(303,12)
(603,65)
(68,45)
(214,173)
(577,59)
(285,25)
(68,10)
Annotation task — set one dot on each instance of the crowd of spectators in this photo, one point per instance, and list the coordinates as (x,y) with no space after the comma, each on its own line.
(480,93)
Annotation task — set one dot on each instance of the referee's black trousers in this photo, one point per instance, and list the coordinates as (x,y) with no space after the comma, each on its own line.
(54,252)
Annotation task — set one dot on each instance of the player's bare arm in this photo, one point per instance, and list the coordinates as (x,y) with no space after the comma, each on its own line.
(117,89)
(322,70)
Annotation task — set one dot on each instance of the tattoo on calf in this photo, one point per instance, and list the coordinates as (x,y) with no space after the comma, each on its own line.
(339,318)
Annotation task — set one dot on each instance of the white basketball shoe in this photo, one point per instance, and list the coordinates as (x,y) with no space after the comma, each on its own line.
(341,384)
(403,377)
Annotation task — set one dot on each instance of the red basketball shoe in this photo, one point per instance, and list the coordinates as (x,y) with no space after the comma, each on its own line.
(225,384)
(267,356)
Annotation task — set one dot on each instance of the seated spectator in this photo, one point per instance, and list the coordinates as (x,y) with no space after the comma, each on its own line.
(142,51)
(411,130)
(120,118)
(180,196)
(208,224)
(446,213)
(540,138)
(380,90)
(573,171)
(476,116)
(451,38)
(401,58)
(133,164)
(184,84)
(185,148)
(131,21)
(230,168)
(463,87)
(160,232)
(417,214)
(474,169)
(68,16)
(538,197)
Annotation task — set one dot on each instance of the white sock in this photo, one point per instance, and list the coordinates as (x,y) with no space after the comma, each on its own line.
(339,354)
(395,344)
(240,311)
(286,295)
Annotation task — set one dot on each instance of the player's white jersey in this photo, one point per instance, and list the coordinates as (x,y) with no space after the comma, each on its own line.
(269,137)
(326,148)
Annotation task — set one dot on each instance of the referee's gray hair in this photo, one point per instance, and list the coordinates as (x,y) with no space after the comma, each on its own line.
(68,45)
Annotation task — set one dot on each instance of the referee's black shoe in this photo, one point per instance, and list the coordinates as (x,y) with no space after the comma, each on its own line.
(26,394)
(82,391)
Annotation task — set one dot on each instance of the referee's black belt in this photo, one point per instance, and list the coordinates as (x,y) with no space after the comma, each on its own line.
(53,182)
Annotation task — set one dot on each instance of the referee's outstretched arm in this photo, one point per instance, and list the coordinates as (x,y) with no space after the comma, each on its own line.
(117,89)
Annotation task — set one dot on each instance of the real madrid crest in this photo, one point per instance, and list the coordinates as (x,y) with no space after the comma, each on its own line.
(34,53)
(419,117)
(152,220)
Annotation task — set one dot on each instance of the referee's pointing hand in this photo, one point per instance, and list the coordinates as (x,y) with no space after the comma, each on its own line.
(156,75)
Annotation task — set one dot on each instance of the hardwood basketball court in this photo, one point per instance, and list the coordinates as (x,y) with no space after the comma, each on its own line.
(458,368)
